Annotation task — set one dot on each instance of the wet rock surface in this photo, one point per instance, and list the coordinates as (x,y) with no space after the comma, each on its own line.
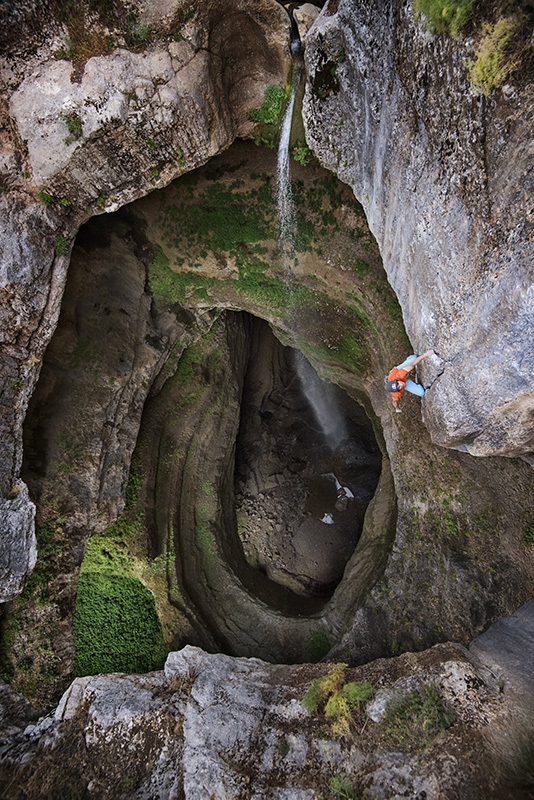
(303,481)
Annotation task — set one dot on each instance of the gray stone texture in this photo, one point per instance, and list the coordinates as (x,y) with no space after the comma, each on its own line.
(18,546)
(212,726)
(445,175)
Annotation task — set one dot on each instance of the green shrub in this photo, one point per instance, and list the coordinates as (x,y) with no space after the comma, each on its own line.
(357,693)
(116,626)
(446,16)
(312,698)
(340,702)
(302,154)
(46,198)
(493,63)
(337,706)
(61,246)
(418,716)
(272,108)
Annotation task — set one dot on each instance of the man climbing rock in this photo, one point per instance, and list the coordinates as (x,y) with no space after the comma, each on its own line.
(397,380)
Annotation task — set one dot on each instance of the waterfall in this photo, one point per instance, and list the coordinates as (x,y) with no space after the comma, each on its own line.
(286,210)
(319,394)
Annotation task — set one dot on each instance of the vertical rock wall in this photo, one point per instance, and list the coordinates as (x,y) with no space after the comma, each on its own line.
(145,117)
(445,175)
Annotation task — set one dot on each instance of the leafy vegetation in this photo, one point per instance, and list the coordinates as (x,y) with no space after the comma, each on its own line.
(224,218)
(494,62)
(418,716)
(46,198)
(302,154)
(61,246)
(446,16)
(339,702)
(116,622)
(352,351)
(272,108)
(500,31)
(116,626)
(74,126)
(269,116)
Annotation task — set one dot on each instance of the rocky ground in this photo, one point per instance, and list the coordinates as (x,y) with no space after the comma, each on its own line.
(427,725)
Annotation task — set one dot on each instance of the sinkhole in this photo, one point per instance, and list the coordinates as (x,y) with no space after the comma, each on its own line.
(259,508)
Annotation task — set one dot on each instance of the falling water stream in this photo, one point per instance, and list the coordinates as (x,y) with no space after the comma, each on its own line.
(286,209)
(320,395)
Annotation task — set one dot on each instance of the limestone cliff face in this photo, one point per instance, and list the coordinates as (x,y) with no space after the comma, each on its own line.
(144,118)
(445,176)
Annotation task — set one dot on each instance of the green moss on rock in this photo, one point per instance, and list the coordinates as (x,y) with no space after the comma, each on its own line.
(116,626)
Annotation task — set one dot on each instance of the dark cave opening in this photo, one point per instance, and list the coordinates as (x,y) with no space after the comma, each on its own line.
(252,514)
(300,498)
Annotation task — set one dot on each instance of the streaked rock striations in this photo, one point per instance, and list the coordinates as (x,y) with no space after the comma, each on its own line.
(144,119)
(445,176)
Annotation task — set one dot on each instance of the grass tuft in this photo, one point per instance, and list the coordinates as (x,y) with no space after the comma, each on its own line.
(418,716)
(339,702)
(494,62)
(446,16)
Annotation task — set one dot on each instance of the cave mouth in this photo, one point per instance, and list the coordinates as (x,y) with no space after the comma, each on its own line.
(306,466)
(246,524)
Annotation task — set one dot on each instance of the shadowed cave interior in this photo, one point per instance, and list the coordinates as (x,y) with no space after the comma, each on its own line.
(307,465)
(256,475)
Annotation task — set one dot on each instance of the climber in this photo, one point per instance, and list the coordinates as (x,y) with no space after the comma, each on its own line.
(397,382)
